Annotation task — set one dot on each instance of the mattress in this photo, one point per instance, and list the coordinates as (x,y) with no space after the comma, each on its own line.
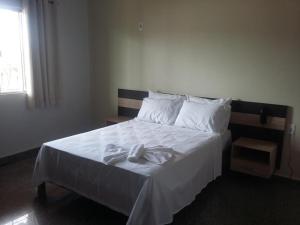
(149,194)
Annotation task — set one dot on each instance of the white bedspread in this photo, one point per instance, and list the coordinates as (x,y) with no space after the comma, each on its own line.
(148,193)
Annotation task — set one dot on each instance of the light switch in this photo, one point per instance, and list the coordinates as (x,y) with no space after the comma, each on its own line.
(141,26)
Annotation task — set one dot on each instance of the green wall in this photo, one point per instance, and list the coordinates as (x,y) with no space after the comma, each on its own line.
(246,49)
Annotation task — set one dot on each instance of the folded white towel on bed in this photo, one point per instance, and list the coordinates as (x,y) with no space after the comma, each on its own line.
(158,154)
(135,153)
(113,154)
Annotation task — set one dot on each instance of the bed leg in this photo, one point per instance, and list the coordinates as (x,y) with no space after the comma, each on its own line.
(41,192)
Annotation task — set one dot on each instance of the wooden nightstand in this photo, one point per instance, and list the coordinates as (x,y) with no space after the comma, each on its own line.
(116,119)
(254,157)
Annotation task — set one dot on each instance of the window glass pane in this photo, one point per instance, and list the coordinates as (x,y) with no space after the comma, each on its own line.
(11,58)
(15,5)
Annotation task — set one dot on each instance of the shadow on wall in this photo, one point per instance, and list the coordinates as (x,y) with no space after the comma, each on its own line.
(100,62)
(115,54)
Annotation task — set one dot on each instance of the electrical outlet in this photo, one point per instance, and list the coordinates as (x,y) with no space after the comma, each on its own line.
(292,129)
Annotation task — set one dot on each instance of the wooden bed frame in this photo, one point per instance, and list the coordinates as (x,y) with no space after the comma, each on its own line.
(246,121)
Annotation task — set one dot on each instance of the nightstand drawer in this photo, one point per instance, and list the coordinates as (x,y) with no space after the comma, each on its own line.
(254,157)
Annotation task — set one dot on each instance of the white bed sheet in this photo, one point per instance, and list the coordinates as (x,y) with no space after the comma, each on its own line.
(149,194)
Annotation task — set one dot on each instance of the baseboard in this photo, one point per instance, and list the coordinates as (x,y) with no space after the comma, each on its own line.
(287,177)
(19,156)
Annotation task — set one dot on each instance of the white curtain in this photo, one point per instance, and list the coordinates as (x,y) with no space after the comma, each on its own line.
(41,25)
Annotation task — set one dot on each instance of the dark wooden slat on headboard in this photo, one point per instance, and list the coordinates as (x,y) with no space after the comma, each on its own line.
(245,118)
(129,112)
(132,94)
(126,98)
(255,108)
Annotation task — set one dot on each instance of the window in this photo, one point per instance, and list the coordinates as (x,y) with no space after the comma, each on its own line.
(12,52)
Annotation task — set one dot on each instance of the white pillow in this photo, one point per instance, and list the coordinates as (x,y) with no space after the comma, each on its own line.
(163,111)
(202,116)
(158,95)
(224,101)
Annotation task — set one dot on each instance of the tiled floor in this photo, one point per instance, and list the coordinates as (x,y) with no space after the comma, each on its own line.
(231,200)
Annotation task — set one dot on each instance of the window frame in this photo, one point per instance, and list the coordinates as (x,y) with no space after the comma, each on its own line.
(23,75)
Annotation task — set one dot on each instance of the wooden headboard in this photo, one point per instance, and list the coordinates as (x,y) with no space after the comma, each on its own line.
(245,118)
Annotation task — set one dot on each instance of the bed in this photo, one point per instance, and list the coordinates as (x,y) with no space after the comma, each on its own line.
(148,194)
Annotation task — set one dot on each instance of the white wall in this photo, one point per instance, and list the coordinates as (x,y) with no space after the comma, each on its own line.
(21,129)
(247,49)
